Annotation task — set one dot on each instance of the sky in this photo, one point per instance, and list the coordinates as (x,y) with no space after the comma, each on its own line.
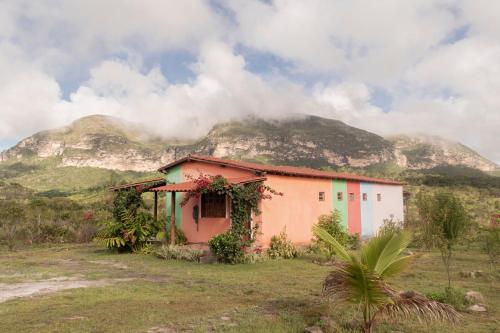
(179,67)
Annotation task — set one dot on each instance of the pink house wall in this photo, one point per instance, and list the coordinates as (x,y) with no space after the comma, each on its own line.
(297,210)
(207,227)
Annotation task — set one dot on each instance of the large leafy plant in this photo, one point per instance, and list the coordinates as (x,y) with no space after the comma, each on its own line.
(362,279)
(128,234)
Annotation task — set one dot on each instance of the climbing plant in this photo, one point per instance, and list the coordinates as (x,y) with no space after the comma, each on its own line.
(245,199)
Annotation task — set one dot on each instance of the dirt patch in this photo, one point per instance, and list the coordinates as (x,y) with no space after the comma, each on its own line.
(110,263)
(35,288)
(160,329)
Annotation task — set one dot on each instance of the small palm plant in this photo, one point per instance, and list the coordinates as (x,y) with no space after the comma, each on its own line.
(362,279)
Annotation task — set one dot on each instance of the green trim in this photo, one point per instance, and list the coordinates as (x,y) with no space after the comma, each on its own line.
(174,175)
(340,205)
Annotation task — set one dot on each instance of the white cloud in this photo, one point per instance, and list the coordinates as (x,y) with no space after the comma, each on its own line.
(365,40)
(438,60)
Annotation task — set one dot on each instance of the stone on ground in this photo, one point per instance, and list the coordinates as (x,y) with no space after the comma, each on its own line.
(477,308)
(474,297)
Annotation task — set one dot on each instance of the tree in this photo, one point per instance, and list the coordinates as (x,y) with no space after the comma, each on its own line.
(12,222)
(445,219)
(331,223)
(362,280)
(491,244)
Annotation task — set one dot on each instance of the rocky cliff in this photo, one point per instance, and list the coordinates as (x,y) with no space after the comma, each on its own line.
(111,143)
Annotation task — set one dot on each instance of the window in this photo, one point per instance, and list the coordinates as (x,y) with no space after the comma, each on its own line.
(213,205)
(365,197)
(379,197)
(352,197)
(321,196)
(339,196)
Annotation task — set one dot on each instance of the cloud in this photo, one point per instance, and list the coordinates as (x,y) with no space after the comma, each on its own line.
(437,60)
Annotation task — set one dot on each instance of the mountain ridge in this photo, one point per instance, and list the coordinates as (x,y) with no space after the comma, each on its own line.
(112,143)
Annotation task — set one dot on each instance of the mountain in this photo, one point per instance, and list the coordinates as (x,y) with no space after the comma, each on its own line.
(426,152)
(110,143)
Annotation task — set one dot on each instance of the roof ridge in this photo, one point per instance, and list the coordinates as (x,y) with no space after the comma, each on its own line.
(281,169)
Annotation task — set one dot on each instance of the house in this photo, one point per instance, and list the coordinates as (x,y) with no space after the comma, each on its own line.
(363,202)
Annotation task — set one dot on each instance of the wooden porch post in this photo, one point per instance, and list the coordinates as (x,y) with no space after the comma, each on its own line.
(172,220)
(155,213)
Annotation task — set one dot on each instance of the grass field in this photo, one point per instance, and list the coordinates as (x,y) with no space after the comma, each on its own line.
(140,293)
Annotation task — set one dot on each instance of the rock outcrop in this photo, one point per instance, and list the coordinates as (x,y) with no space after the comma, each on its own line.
(111,143)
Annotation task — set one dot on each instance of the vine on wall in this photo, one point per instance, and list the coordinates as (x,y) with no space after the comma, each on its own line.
(244,199)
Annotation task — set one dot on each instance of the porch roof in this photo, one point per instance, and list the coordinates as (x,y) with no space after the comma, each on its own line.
(141,186)
(191,185)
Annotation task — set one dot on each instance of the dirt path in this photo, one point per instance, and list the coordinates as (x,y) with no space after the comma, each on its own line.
(27,289)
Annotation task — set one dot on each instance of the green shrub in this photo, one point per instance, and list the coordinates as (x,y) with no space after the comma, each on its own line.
(12,223)
(281,247)
(178,253)
(252,257)
(354,242)
(227,247)
(331,224)
(390,226)
(491,244)
(128,234)
(452,296)
(148,248)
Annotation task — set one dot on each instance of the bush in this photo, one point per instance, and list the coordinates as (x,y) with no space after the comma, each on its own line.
(86,232)
(491,244)
(354,242)
(127,234)
(331,224)
(452,296)
(390,226)
(227,247)
(179,253)
(12,223)
(281,247)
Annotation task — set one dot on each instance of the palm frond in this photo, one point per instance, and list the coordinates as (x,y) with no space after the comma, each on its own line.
(383,250)
(392,250)
(340,251)
(370,253)
(355,283)
(410,303)
(396,266)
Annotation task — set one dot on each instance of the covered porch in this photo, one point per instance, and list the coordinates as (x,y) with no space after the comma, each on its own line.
(201,216)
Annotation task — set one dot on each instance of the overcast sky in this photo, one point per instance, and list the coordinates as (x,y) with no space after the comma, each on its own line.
(386,66)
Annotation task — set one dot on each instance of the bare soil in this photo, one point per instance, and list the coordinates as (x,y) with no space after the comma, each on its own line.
(29,289)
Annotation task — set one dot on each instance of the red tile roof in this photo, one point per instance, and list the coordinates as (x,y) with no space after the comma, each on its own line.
(191,185)
(141,184)
(280,170)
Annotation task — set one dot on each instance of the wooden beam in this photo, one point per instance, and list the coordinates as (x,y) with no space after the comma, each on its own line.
(172,220)
(155,213)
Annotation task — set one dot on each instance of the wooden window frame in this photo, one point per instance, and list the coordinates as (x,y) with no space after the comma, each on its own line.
(365,196)
(321,196)
(340,196)
(352,196)
(219,211)
(379,197)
